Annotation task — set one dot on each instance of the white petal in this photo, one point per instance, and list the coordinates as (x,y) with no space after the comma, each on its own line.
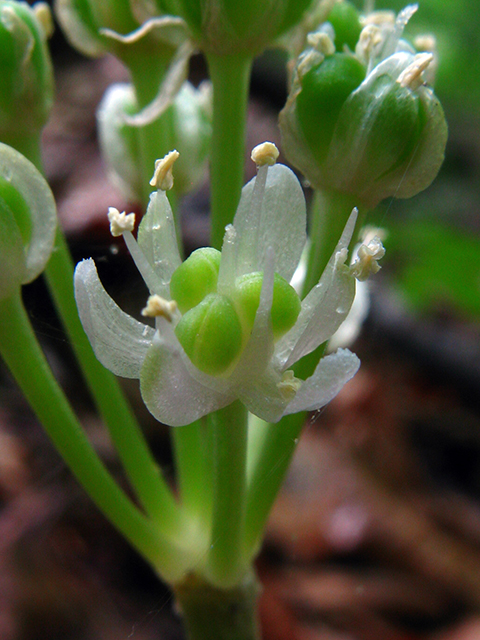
(170,393)
(118,340)
(329,377)
(279,223)
(323,310)
(263,398)
(158,240)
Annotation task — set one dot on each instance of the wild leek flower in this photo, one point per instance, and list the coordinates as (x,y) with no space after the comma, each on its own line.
(233,301)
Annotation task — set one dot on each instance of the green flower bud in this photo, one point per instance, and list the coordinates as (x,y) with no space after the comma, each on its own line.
(211,334)
(195,278)
(286,303)
(187,121)
(391,134)
(345,21)
(230,27)
(387,138)
(26,77)
(27,221)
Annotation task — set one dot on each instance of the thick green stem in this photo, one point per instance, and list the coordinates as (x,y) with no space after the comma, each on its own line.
(225,563)
(223,614)
(230,76)
(139,464)
(22,354)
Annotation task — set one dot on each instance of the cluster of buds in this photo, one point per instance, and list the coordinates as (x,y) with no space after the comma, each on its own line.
(364,121)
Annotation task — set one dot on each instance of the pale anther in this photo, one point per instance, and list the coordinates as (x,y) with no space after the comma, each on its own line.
(158,307)
(44,16)
(368,256)
(163,175)
(289,385)
(120,222)
(370,38)
(411,77)
(425,43)
(265,154)
(321,42)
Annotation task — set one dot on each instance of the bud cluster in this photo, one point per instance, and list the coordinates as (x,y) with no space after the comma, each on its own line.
(361,119)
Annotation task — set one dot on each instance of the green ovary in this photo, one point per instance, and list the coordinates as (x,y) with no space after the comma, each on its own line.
(195,278)
(285,305)
(211,334)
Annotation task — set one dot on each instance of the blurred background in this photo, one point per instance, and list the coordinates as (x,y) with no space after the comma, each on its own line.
(376,535)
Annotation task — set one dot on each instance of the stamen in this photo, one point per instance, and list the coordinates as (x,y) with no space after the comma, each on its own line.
(265,153)
(289,385)
(411,77)
(158,307)
(120,222)
(366,263)
(163,176)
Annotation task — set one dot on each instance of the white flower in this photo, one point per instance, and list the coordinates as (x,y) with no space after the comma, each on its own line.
(268,235)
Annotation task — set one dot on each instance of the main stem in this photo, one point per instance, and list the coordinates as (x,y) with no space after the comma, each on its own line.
(223,614)
(230,76)
(225,563)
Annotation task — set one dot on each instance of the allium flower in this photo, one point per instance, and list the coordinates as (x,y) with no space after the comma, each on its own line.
(263,246)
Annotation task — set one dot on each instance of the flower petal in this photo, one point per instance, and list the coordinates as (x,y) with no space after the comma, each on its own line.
(278,220)
(324,308)
(170,393)
(157,239)
(263,397)
(331,374)
(118,340)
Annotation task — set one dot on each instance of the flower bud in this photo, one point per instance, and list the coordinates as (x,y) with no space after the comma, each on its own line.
(286,303)
(195,278)
(211,334)
(27,221)
(26,77)
(387,137)
(188,124)
(231,27)
(391,134)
